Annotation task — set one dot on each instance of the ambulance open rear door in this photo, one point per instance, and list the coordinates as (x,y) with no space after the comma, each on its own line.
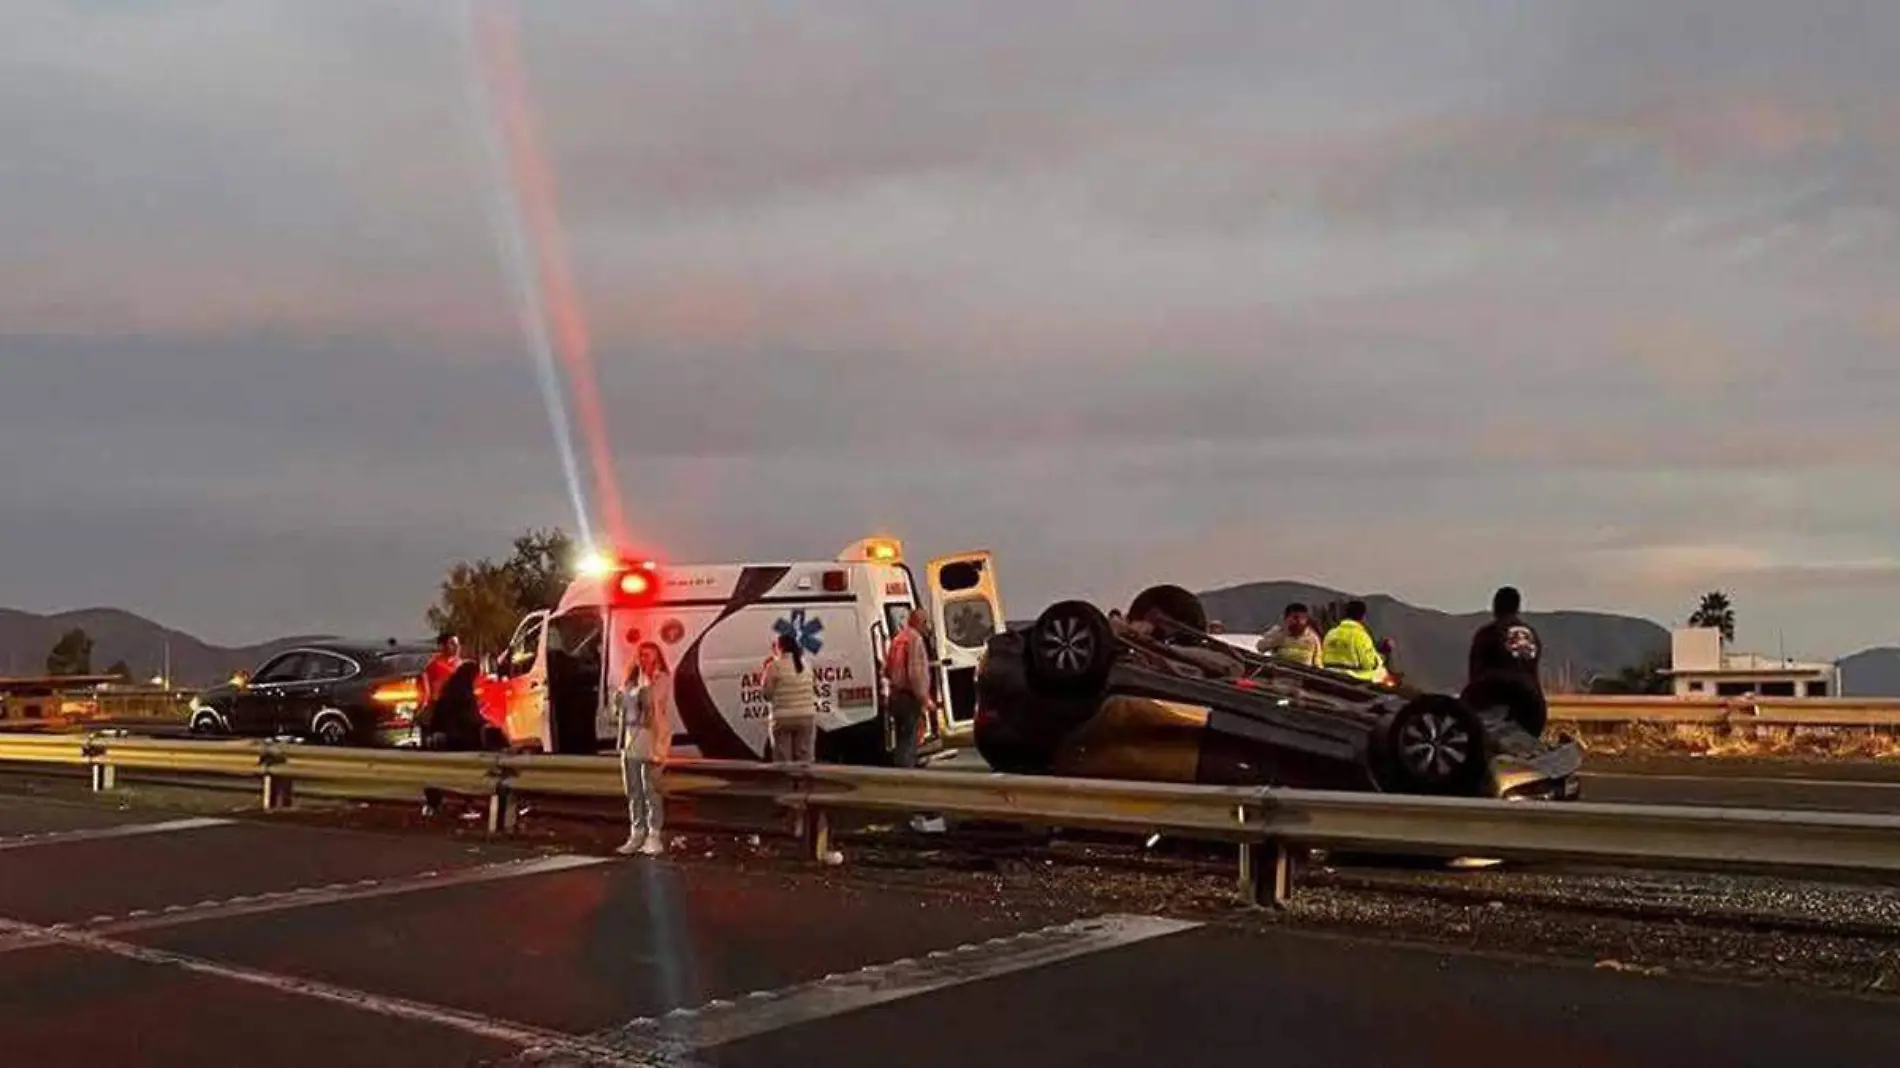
(966,611)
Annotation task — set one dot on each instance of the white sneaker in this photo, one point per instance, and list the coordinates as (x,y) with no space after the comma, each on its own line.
(653,847)
(630,847)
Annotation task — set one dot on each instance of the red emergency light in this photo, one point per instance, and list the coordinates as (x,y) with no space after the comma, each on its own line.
(637,583)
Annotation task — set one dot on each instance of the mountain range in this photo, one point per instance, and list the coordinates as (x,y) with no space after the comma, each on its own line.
(1872,673)
(1430,644)
(26,638)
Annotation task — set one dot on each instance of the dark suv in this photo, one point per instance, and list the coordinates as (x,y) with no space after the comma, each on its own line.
(331,692)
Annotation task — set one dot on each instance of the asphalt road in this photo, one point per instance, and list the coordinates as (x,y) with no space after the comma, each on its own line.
(131,937)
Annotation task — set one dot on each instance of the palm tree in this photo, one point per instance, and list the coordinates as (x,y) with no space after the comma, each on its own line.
(1716,611)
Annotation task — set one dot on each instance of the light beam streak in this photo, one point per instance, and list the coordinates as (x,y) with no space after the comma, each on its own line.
(498,43)
(509,228)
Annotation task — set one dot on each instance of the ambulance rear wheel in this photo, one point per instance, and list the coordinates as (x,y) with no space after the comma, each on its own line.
(1071,649)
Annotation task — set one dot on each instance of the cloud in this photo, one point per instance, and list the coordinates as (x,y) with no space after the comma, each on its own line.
(1388,296)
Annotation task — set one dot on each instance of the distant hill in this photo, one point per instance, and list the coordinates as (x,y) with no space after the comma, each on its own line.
(1873,673)
(1431,646)
(25,639)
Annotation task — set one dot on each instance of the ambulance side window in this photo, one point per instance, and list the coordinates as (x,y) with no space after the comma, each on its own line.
(968,622)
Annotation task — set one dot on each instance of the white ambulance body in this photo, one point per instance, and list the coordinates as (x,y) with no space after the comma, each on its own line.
(715,625)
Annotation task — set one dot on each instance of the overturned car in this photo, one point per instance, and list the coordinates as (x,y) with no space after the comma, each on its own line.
(1155,697)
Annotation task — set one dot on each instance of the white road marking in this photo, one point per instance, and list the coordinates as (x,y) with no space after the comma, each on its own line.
(306,897)
(685,1031)
(96,834)
(526,1036)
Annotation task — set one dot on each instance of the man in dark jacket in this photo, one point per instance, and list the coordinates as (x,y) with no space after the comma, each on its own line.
(1503,669)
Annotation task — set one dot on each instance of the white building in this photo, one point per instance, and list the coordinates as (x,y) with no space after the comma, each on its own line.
(1702,668)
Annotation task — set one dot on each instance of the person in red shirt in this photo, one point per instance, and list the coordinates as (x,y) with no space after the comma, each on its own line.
(435,675)
(448,657)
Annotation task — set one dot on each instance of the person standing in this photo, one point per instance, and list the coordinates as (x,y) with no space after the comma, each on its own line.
(435,679)
(436,673)
(907,671)
(792,695)
(1293,639)
(1349,649)
(1505,664)
(646,738)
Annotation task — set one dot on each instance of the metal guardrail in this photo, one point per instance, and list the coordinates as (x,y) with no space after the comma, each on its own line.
(1728,711)
(1270,826)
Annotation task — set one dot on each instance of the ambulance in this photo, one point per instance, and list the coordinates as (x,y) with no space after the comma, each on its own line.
(715,625)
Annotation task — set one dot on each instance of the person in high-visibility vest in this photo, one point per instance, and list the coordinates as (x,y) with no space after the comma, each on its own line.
(1349,649)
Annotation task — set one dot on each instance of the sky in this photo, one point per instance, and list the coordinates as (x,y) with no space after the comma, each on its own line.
(1600,298)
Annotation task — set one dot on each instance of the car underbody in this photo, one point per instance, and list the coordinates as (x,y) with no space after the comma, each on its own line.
(1157,698)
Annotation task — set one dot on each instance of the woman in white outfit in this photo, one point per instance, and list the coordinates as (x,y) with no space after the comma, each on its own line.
(793,695)
(646,737)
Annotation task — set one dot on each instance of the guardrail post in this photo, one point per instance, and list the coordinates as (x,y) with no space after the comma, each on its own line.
(104,775)
(277,792)
(816,827)
(1266,873)
(504,811)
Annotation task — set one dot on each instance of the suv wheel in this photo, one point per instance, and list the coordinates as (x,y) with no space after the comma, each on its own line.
(1071,648)
(330,728)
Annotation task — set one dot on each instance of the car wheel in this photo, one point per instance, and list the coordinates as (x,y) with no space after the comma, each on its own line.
(330,728)
(1071,648)
(1434,745)
(1176,603)
(205,722)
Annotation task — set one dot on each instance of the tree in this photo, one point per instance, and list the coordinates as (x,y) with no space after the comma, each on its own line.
(541,567)
(120,670)
(479,604)
(482,601)
(1648,678)
(71,655)
(1717,611)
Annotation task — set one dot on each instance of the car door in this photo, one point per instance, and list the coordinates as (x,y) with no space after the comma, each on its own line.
(313,690)
(524,674)
(966,611)
(254,709)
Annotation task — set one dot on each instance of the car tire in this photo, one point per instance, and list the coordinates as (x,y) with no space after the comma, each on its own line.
(1175,602)
(1071,649)
(330,727)
(1433,745)
(205,723)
